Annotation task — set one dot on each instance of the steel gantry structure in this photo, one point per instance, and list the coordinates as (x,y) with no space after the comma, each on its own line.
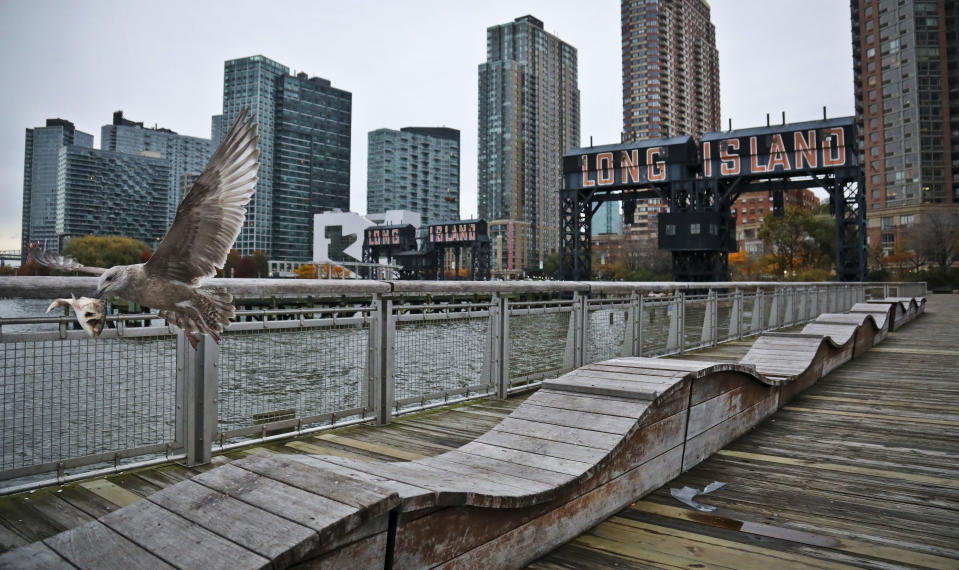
(700,182)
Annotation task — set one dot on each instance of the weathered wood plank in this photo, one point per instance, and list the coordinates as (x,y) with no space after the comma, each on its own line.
(36,555)
(95,545)
(176,539)
(264,533)
(576,436)
(349,488)
(367,446)
(546,447)
(569,418)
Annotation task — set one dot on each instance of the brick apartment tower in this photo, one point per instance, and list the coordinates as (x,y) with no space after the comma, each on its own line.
(906,64)
(670,81)
(670,69)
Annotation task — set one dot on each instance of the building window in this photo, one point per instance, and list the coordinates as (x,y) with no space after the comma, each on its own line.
(670,229)
(886,223)
(888,243)
(906,220)
(694,229)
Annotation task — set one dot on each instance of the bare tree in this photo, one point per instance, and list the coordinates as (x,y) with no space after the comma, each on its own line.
(935,237)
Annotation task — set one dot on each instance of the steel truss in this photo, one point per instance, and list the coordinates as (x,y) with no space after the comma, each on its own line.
(713,198)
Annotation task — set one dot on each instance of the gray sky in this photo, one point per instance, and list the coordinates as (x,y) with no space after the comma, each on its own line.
(407,63)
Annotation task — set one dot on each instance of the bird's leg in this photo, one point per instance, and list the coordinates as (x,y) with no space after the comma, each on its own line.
(194,340)
(216,337)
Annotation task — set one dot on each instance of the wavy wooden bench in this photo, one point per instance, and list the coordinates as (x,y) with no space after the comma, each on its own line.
(579,449)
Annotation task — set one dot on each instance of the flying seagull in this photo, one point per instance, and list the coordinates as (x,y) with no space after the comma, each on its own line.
(207,222)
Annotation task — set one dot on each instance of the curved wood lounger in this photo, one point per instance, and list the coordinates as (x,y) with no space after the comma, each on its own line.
(576,451)
(902,309)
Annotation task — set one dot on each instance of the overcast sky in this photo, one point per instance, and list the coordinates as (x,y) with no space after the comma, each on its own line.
(407,63)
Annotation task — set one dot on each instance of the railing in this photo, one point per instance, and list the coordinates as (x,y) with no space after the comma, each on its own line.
(367,351)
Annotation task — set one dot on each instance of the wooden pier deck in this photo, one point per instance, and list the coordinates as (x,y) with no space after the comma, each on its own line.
(860,470)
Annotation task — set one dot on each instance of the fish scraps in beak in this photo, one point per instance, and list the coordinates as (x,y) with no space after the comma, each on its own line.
(91,313)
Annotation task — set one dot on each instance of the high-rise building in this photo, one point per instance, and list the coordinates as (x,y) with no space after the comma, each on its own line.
(607,219)
(40,169)
(303,124)
(528,117)
(906,65)
(670,69)
(415,168)
(311,161)
(186,154)
(101,192)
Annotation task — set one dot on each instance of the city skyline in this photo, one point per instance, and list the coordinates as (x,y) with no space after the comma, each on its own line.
(421,72)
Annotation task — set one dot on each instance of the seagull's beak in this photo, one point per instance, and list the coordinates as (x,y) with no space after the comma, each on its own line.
(99,293)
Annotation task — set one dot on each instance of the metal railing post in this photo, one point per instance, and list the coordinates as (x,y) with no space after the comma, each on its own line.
(382,346)
(581,312)
(757,321)
(499,351)
(736,316)
(197,379)
(632,333)
(788,315)
(774,311)
(708,335)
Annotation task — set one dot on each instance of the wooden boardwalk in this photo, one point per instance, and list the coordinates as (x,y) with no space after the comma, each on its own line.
(861,470)
(790,461)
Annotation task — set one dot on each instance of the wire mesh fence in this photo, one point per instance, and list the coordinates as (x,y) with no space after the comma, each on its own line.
(538,339)
(71,398)
(657,315)
(694,316)
(70,401)
(304,374)
(606,328)
(724,315)
(441,351)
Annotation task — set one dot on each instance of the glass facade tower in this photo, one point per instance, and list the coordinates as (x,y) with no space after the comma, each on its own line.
(40,168)
(311,160)
(110,193)
(528,117)
(303,125)
(186,154)
(417,169)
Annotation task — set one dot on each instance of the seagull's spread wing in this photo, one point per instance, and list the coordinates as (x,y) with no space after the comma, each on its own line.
(210,216)
(60,262)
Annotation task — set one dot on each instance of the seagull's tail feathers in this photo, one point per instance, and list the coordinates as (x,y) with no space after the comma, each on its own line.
(216,307)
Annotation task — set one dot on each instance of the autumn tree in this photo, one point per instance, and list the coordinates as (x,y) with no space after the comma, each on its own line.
(106,251)
(245,268)
(232,260)
(262,263)
(785,234)
(306,271)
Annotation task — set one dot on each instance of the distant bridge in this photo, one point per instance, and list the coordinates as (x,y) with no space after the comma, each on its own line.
(9,255)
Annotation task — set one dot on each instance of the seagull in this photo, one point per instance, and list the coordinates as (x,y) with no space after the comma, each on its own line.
(207,222)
